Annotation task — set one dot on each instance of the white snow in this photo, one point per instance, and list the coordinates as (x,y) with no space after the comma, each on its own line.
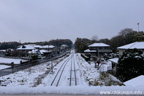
(45,51)
(135,82)
(98,45)
(24,80)
(4,67)
(48,46)
(33,46)
(68,90)
(9,60)
(115,60)
(27,47)
(135,45)
(88,50)
(2,50)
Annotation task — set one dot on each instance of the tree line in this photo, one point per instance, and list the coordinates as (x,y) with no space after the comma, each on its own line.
(124,37)
(7,45)
(57,43)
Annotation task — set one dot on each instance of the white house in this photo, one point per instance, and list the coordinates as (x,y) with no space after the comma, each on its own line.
(98,49)
(28,47)
(114,63)
(36,49)
(135,45)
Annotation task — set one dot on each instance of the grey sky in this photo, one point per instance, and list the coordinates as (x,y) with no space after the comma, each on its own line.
(43,20)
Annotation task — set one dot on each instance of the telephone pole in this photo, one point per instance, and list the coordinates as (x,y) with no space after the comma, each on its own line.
(138,26)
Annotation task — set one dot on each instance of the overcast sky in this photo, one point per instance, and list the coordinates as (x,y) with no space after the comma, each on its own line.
(43,20)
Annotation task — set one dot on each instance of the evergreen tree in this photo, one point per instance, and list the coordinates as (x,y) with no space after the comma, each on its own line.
(131,64)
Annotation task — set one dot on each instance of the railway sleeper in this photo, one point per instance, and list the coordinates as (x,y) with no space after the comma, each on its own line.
(72,79)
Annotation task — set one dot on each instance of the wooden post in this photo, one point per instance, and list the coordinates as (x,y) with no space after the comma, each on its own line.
(12,66)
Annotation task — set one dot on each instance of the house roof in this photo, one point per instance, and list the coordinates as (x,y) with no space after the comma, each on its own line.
(26,47)
(48,46)
(89,51)
(135,45)
(33,46)
(115,60)
(98,45)
(45,51)
(64,45)
(135,81)
(2,50)
(34,51)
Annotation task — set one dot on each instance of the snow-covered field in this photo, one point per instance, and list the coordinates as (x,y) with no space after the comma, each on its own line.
(10,60)
(38,79)
(4,67)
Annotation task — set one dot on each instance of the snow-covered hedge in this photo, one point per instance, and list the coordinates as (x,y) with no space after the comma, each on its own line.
(131,64)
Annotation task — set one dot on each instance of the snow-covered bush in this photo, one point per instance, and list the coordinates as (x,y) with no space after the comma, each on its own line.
(106,79)
(131,64)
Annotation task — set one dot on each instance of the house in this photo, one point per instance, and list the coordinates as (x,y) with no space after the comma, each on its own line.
(30,49)
(114,63)
(98,49)
(47,47)
(63,47)
(2,52)
(47,50)
(131,46)
(26,48)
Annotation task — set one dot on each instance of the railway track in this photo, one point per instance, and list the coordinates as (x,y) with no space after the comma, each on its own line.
(57,77)
(73,78)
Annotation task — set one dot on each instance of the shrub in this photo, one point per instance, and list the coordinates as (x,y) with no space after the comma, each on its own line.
(131,64)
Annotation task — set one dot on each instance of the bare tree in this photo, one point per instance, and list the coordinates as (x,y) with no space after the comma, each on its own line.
(95,37)
(125,31)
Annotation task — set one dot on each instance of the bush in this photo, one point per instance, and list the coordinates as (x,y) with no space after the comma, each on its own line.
(131,64)
(35,57)
(85,57)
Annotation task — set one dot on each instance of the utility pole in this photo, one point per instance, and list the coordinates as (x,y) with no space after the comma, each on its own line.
(50,58)
(138,26)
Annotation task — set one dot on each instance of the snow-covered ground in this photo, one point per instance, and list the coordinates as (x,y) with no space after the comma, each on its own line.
(10,60)
(4,67)
(27,77)
(38,79)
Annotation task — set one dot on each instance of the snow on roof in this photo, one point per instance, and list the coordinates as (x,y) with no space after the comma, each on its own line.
(48,46)
(115,60)
(88,50)
(98,45)
(135,45)
(27,47)
(2,50)
(64,45)
(33,46)
(135,81)
(37,46)
(45,51)
(42,51)
(33,51)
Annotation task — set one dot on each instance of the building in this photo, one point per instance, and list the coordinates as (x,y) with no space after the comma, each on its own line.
(31,49)
(131,46)
(98,49)
(114,63)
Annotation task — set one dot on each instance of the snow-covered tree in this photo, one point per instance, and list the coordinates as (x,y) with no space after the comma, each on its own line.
(131,64)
